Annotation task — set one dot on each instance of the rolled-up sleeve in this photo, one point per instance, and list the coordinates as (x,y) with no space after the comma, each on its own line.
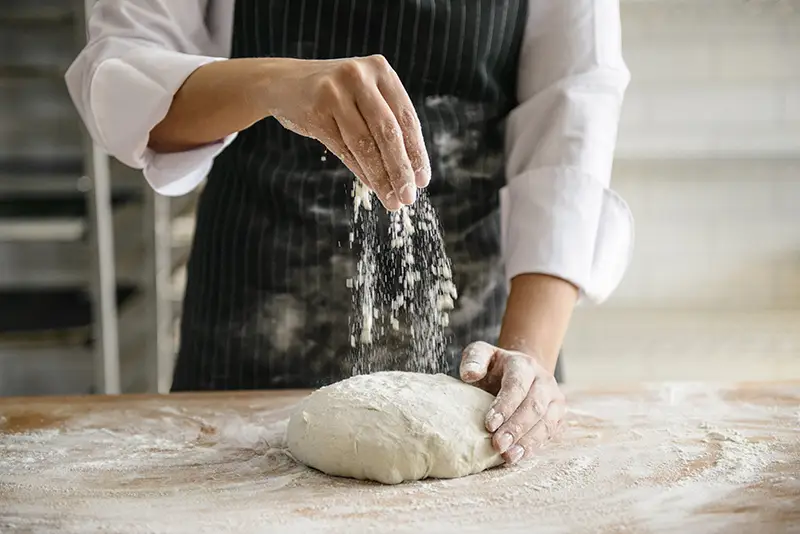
(559,215)
(139,53)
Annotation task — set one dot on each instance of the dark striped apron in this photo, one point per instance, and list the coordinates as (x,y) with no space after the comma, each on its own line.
(267,301)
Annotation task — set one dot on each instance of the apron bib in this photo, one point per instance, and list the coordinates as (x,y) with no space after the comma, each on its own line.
(267,302)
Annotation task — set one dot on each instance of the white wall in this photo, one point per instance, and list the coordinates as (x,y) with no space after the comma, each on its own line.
(709,153)
(709,160)
(712,234)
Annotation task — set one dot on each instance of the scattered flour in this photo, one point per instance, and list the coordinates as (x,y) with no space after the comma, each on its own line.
(672,458)
(403,290)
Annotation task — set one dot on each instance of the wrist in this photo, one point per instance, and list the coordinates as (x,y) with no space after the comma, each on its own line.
(262,83)
(544,357)
(533,350)
(276,82)
(537,315)
(216,100)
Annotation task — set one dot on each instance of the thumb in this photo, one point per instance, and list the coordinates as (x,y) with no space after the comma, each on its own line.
(475,361)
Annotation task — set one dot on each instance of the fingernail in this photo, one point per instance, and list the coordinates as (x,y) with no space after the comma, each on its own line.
(515,454)
(422,177)
(493,421)
(471,367)
(408,193)
(392,203)
(411,196)
(505,441)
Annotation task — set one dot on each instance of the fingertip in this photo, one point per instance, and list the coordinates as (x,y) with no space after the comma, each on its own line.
(471,367)
(503,442)
(422,177)
(471,371)
(475,361)
(408,193)
(475,350)
(493,420)
(391,203)
(514,454)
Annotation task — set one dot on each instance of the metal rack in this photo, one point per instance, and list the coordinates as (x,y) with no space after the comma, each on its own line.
(103,233)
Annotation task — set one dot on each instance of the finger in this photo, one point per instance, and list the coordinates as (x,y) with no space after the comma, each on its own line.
(335,144)
(542,432)
(396,96)
(389,138)
(360,143)
(351,163)
(475,361)
(531,410)
(518,375)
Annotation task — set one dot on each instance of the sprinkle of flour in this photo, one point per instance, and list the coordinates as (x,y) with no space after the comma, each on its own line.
(403,290)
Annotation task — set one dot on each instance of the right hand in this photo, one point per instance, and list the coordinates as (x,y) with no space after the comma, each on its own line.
(529,405)
(359,109)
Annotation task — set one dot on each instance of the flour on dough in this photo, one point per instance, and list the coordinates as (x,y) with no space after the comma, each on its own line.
(394,426)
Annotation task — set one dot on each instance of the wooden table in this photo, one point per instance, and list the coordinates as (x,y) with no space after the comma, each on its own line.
(686,458)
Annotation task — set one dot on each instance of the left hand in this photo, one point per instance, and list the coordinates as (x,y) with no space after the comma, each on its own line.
(529,406)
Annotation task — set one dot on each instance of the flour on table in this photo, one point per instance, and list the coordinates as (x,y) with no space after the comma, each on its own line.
(393,427)
(672,458)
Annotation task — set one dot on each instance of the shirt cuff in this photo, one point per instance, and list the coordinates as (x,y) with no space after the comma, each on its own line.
(566,224)
(132,94)
(179,173)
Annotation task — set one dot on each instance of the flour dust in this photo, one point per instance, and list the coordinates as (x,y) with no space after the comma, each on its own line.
(663,458)
(403,290)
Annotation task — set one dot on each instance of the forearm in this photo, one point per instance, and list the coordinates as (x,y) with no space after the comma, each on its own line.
(537,315)
(217,100)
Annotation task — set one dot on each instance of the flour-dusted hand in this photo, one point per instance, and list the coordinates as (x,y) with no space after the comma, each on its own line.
(529,405)
(359,109)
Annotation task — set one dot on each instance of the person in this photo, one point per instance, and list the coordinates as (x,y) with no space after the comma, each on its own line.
(504,111)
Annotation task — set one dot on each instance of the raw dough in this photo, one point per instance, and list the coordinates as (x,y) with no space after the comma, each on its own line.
(394,426)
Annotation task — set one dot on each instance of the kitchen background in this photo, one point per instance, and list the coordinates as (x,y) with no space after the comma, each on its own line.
(708,158)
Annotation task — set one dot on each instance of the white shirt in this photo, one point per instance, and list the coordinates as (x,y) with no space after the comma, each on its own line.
(559,215)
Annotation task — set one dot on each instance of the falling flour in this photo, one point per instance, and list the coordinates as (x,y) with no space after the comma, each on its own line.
(403,290)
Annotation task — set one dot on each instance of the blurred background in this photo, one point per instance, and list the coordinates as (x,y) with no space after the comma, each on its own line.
(92,269)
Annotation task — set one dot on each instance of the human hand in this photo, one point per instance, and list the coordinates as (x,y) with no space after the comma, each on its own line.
(359,109)
(529,406)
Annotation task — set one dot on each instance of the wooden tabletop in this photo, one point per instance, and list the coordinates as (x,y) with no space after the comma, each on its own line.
(646,458)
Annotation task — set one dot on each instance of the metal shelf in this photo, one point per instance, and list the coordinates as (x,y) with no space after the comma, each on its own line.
(20,179)
(47,262)
(32,71)
(62,178)
(76,337)
(38,219)
(28,370)
(58,229)
(47,157)
(44,15)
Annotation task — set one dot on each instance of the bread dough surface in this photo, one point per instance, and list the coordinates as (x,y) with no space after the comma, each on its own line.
(393,427)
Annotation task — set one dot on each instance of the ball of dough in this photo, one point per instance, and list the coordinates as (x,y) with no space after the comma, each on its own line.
(394,426)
